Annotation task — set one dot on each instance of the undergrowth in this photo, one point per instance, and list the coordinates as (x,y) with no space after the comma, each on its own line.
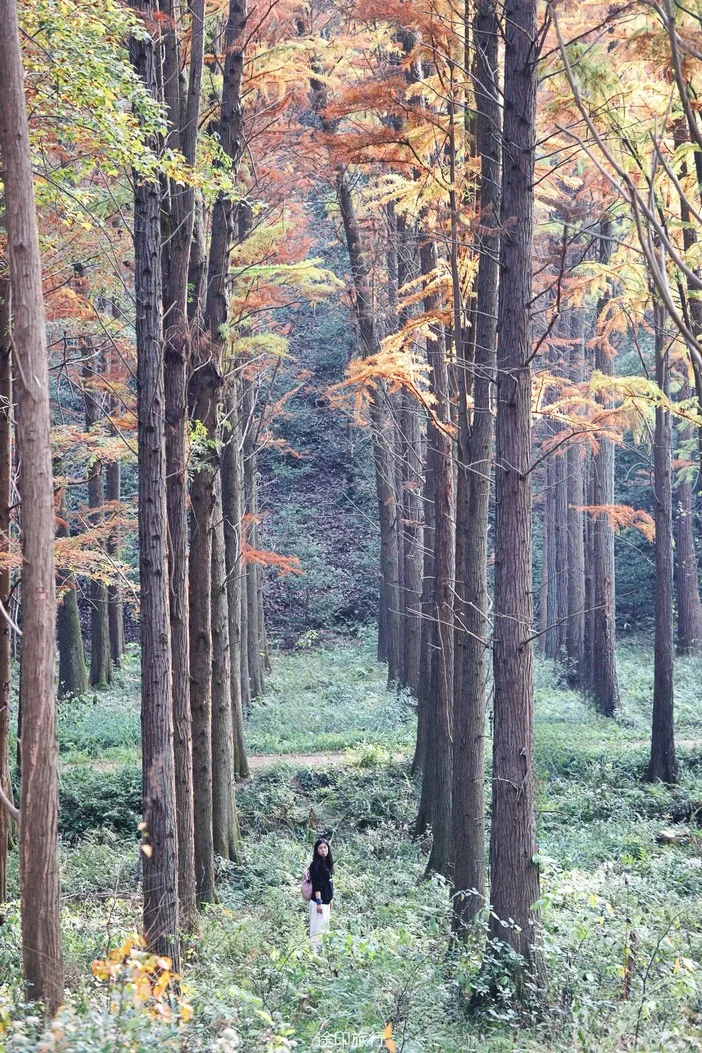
(621,912)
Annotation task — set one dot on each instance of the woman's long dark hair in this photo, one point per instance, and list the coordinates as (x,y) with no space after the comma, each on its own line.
(317,860)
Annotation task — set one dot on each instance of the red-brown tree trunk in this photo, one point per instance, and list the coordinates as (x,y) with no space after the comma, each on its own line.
(469,730)
(663,764)
(39,875)
(605,682)
(575,628)
(439,769)
(100,657)
(514,872)
(205,386)
(225,825)
(178,211)
(382,431)
(5,502)
(160,857)
(232,505)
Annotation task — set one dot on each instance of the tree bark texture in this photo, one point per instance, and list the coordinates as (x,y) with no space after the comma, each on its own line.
(5,502)
(605,682)
(225,827)
(39,875)
(178,218)
(689,636)
(115,605)
(73,675)
(204,387)
(589,640)
(232,508)
(428,645)
(663,764)
(440,724)
(100,656)
(381,425)
(412,475)
(514,873)
(469,729)
(575,628)
(160,849)
(254,613)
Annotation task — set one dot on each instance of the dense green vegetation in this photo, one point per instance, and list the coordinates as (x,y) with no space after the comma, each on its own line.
(621,911)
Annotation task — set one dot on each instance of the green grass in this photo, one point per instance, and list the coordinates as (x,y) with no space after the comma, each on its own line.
(330,699)
(613,898)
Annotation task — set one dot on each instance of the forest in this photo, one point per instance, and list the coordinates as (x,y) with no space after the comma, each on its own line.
(350,506)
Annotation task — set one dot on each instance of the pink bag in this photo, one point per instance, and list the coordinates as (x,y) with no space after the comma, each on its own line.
(306,886)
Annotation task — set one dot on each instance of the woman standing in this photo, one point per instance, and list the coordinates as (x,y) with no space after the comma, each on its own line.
(321,876)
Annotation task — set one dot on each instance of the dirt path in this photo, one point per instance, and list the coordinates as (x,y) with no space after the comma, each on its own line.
(257,761)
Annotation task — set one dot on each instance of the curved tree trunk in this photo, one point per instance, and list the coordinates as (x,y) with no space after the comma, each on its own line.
(39,875)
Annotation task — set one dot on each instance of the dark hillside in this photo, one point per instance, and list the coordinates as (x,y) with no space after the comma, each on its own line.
(318,500)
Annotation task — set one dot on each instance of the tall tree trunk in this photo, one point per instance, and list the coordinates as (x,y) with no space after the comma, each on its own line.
(178,212)
(440,767)
(232,505)
(605,683)
(100,657)
(39,875)
(575,629)
(589,640)
(689,640)
(545,562)
(225,826)
(551,544)
(663,765)
(514,872)
(115,606)
(469,731)
(5,502)
(428,644)
(381,425)
(160,857)
(253,613)
(73,675)
(412,529)
(205,388)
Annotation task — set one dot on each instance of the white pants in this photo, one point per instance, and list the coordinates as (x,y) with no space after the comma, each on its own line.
(319,923)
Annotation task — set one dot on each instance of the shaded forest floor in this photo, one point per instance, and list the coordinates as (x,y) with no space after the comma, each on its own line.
(622,913)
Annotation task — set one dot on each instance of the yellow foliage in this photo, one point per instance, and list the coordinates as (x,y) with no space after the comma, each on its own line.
(146,979)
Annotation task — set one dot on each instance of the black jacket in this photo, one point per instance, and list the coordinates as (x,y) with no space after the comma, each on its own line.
(321,881)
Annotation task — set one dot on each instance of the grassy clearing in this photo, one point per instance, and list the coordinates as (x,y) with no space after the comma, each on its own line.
(623,935)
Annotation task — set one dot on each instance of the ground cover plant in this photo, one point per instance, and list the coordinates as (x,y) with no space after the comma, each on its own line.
(621,910)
